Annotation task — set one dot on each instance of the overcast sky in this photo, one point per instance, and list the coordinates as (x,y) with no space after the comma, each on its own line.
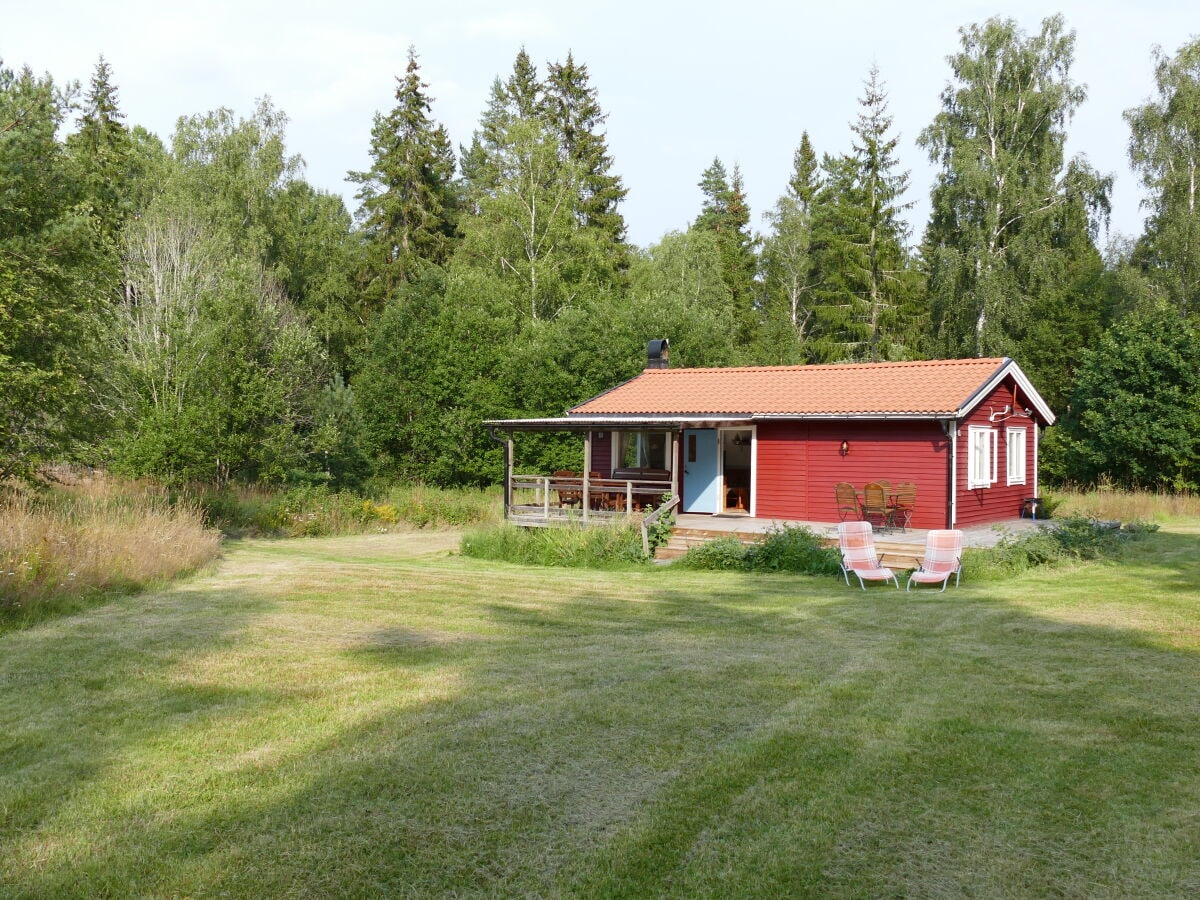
(681,83)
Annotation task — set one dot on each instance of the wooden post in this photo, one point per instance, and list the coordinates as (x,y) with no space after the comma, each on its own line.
(546,498)
(508,473)
(587,473)
(628,498)
(674,465)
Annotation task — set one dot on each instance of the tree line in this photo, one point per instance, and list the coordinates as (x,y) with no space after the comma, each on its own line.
(195,310)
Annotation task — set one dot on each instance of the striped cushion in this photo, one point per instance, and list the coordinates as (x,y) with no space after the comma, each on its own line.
(858,550)
(943,549)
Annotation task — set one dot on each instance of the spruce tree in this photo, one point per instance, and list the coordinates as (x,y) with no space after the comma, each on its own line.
(408,195)
(573,112)
(103,149)
(886,282)
(726,213)
(789,276)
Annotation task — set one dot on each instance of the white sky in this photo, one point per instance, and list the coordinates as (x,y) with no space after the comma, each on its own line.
(681,83)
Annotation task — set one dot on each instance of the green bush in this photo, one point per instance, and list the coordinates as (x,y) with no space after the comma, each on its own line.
(789,548)
(794,549)
(659,531)
(1071,538)
(572,546)
(727,553)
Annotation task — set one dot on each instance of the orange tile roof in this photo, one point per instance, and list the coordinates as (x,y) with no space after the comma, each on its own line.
(896,388)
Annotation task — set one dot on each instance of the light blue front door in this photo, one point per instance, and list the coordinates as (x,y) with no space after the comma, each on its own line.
(700,492)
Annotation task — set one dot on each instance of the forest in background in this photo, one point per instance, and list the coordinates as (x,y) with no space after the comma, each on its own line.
(194,310)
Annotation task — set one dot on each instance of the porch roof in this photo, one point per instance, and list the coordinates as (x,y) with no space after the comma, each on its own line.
(618,423)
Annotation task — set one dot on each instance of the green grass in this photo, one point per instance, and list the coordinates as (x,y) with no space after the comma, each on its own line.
(374,715)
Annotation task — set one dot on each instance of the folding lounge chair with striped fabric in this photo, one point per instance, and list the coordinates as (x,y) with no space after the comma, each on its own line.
(943,558)
(857,542)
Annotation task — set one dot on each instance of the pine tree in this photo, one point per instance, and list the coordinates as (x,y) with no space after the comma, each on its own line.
(865,285)
(408,195)
(573,112)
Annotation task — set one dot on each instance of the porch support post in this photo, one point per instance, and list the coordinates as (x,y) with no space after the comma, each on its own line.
(674,465)
(508,473)
(587,473)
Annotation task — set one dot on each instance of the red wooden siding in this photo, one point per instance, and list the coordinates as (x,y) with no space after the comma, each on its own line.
(800,462)
(601,452)
(1000,500)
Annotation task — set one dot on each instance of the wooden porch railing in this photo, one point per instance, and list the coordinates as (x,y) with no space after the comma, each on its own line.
(542,499)
(652,518)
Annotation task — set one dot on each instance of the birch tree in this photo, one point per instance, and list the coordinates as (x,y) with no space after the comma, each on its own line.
(991,241)
(1164,149)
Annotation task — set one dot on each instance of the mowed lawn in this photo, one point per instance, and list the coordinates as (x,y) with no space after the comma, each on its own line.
(377,715)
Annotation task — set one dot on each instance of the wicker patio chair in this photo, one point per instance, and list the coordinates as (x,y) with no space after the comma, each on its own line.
(847,502)
(905,503)
(875,507)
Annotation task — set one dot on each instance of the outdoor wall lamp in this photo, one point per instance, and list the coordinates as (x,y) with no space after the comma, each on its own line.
(845,448)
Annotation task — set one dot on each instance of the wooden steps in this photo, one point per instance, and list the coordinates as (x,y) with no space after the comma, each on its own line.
(683,539)
(894,553)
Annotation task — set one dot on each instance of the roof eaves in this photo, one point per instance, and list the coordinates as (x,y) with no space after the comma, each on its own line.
(1009,367)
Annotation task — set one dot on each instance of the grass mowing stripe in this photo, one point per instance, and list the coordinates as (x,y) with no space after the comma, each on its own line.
(429,725)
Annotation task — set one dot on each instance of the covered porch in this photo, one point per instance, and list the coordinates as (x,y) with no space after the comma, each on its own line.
(631,465)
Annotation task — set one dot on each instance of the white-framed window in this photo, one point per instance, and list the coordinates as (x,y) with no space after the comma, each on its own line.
(981,457)
(643,450)
(1014,453)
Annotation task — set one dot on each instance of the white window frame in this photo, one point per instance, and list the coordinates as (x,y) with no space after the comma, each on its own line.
(981,456)
(1014,455)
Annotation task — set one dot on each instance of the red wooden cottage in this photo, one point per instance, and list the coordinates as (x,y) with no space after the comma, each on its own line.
(772,441)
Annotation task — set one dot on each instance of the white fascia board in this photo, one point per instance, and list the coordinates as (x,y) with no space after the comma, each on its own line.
(1028,391)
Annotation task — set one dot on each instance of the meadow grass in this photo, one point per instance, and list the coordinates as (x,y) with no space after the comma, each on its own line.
(376,715)
(1126,506)
(88,536)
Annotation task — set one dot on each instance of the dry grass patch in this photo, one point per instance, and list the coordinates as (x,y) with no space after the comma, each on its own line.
(92,535)
(1128,506)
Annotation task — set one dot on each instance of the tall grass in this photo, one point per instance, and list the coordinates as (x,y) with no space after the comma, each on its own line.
(1125,506)
(423,505)
(92,535)
(573,546)
(317,511)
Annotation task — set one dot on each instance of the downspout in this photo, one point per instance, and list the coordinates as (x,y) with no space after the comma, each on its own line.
(1037,428)
(508,453)
(950,428)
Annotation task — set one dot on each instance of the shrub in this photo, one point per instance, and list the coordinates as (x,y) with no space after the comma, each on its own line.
(727,553)
(573,546)
(1071,538)
(659,531)
(789,548)
(794,549)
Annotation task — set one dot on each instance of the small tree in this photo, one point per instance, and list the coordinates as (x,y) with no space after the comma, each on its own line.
(1136,412)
